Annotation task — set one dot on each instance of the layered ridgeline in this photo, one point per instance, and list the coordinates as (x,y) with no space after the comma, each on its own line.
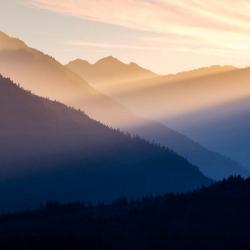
(223,127)
(109,74)
(216,217)
(46,77)
(52,152)
(209,104)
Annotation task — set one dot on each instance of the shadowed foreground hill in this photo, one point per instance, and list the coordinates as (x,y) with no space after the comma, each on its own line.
(211,218)
(46,77)
(50,151)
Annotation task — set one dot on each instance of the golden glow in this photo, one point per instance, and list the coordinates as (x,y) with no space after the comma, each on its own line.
(219,28)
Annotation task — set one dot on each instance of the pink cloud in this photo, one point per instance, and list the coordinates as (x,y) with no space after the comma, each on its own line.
(223,24)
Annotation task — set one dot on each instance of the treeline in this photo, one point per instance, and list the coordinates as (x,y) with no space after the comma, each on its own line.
(210,218)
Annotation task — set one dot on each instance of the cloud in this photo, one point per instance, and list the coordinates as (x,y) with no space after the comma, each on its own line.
(158,15)
(106,45)
(119,46)
(190,24)
(162,46)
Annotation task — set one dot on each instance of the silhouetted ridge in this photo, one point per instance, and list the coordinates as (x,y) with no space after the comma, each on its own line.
(109,69)
(49,151)
(216,217)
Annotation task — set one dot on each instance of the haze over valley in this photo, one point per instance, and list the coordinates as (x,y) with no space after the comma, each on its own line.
(124,124)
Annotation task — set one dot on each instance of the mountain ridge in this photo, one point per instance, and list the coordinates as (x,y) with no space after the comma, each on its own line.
(109,67)
(203,92)
(70,156)
(44,76)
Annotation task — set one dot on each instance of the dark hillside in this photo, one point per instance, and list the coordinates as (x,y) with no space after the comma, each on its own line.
(211,218)
(50,151)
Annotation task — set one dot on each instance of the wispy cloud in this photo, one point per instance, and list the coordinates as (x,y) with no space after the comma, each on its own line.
(223,23)
(217,27)
(180,16)
(161,45)
(119,46)
(106,45)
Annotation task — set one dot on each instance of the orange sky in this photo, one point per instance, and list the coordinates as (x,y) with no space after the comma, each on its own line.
(163,35)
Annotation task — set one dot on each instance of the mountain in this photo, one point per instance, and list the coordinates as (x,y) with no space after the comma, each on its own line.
(180,93)
(224,128)
(216,217)
(109,70)
(52,152)
(209,105)
(222,122)
(105,75)
(216,114)
(207,161)
(46,77)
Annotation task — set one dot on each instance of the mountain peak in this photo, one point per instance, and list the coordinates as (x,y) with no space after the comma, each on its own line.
(79,62)
(109,60)
(7,42)
(115,63)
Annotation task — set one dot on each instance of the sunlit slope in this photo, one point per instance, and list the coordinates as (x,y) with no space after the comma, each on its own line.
(165,97)
(46,77)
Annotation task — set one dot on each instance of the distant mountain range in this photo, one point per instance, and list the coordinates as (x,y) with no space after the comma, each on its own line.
(109,70)
(224,128)
(210,105)
(46,77)
(52,152)
(216,114)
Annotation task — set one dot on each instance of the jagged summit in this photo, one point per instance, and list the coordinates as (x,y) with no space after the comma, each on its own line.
(109,69)
(109,60)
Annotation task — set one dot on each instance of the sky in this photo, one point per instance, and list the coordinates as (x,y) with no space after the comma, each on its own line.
(166,36)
